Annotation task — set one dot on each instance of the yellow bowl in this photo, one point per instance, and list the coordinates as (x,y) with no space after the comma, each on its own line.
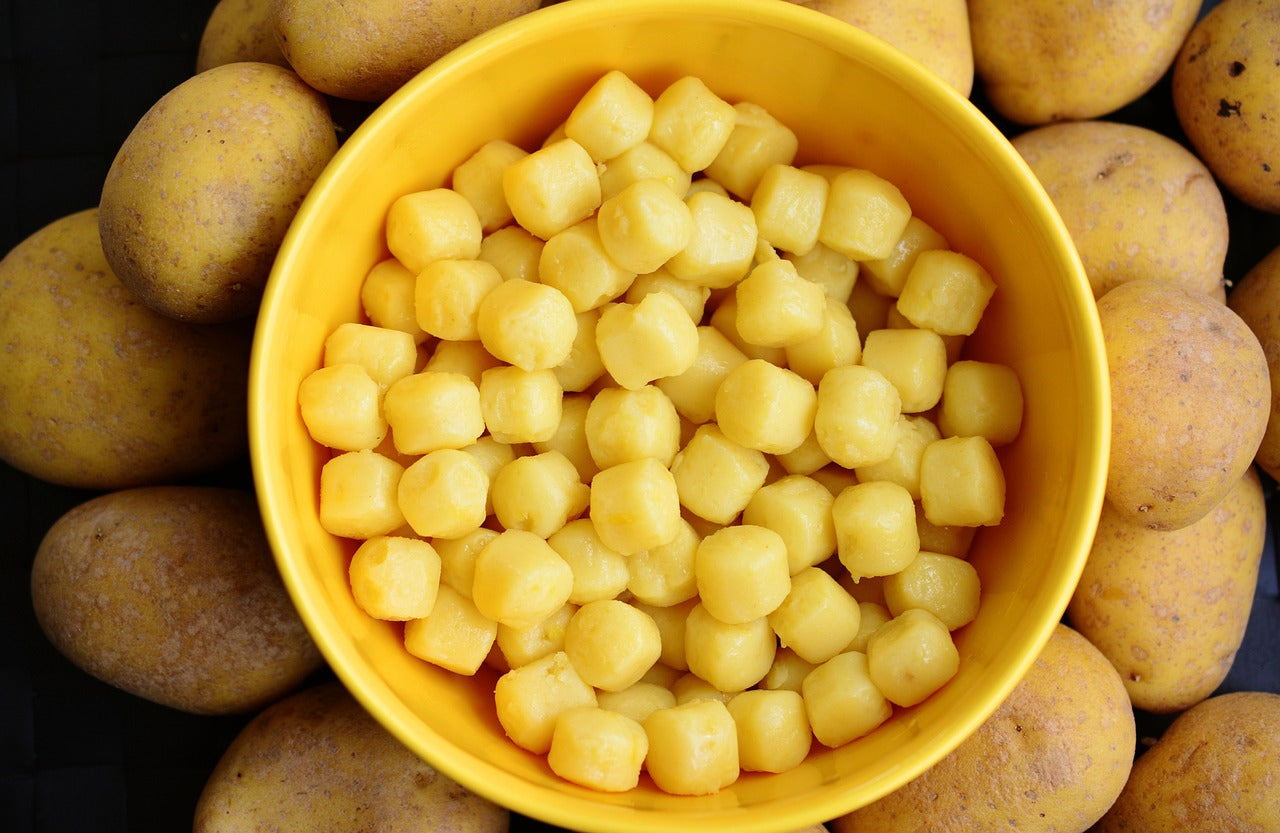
(850,99)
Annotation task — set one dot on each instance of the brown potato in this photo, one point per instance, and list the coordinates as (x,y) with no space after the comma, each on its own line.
(1137,203)
(1169,609)
(1256,299)
(239,30)
(171,593)
(201,192)
(1052,758)
(1227,100)
(317,760)
(1190,398)
(97,391)
(1044,61)
(934,32)
(1215,768)
(366,51)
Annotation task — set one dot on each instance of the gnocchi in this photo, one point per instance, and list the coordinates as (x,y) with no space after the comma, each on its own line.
(672,430)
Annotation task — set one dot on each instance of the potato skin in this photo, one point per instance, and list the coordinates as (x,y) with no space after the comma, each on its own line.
(1190,397)
(1052,758)
(366,51)
(317,760)
(171,593)
(239,30)
(1256,299)
(1216,767)
(934,32)
(98,391)
(1137,203)
(1169,609)
(202,190)
(1226,95)
(1043,61)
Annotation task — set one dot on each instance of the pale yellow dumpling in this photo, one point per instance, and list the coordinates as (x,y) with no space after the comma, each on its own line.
(611,643)
(742,572)
(432,225)
(395,578)
(519,579)
(773,729)
(529,325)
(598,748)
(693,748)
(531,698)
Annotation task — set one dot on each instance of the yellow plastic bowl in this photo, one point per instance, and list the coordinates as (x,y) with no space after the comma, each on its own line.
(850,99)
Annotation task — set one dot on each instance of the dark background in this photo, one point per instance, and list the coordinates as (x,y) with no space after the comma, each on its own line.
(76,754)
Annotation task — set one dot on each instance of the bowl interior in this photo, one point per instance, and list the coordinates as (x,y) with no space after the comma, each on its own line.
(850,99)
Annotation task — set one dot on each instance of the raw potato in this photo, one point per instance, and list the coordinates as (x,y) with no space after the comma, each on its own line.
(1051,759)
(97,391)
(1137,203)
(1169,609)
(1256,299)
(202,190)
(934,32)
(318,761)
(171,593)
(1227,99)
(1190,398)
(1042,61)
(1214,768)
(239,30)
(366,51)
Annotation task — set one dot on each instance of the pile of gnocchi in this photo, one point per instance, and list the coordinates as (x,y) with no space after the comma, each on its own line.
(674,435)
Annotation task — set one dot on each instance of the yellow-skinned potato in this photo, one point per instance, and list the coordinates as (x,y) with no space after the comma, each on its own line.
(1169,609)
(98,391)
(1190,400)
(1137,203)
(366,51)
(1042,61)
(202,190)
(1226,97)
(1256,299)
(318,761)
(934,32)
(1214,768)
(171,593)
(1051,759)
(239,30)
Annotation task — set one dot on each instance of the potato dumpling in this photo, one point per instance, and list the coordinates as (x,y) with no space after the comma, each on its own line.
(773,729)
(531,698)
(1136,202)
(1225,97)
(841,700)
(367,51)
(1212,769)
(455,635)
(188,221)
(1190,399)
(1057,752)
(693,748)
(598,748)
(1045,61)
(611,643)
(100,411)
(1169,608)
(319,759)
(170,593)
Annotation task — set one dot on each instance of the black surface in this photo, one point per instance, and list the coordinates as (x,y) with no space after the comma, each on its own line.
(75,754)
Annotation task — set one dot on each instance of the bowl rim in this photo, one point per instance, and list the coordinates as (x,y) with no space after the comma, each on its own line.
(831,33)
